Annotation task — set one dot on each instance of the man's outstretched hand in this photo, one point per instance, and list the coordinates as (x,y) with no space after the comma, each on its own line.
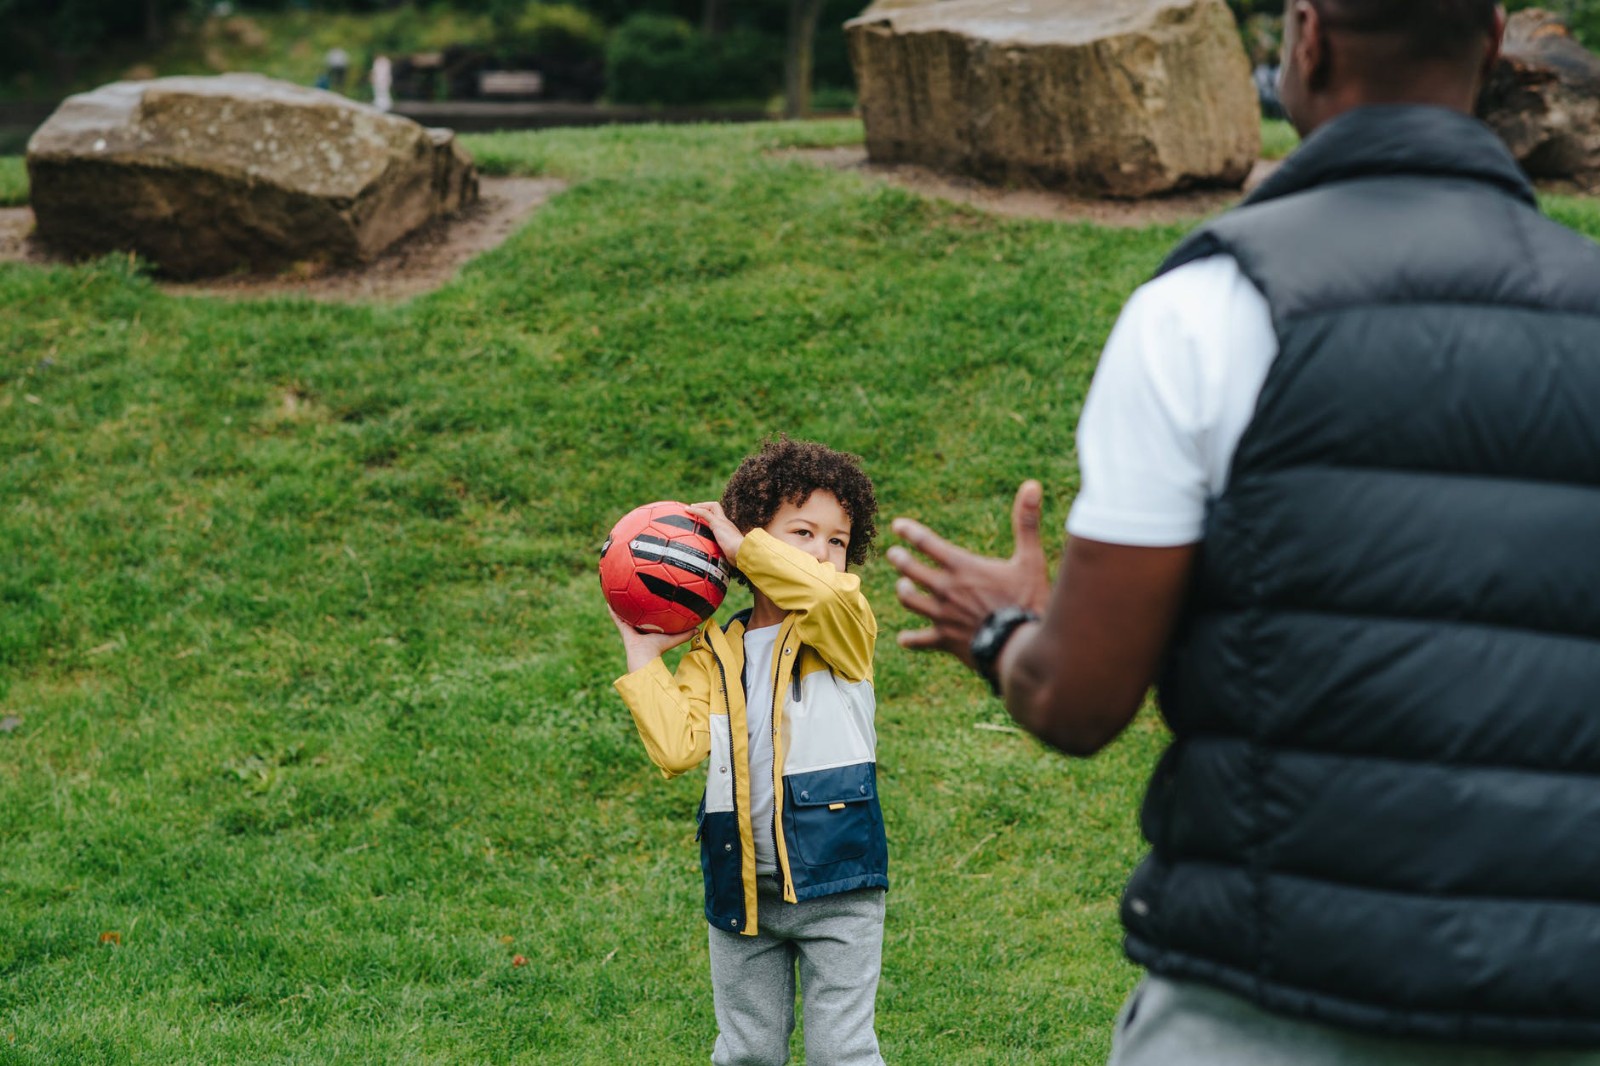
(961,588)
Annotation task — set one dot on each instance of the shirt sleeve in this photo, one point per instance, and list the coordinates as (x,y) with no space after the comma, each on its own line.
(832,615)
(672,713)
(1176,386)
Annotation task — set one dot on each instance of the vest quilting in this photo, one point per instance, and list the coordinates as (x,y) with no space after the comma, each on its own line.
(1381,808)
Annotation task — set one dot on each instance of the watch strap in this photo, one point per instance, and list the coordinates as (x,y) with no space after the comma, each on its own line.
(989,640)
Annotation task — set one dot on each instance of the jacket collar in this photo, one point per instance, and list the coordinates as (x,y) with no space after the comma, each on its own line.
(1398,139)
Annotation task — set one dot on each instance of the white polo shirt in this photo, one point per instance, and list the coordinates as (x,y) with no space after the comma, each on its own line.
(1176,386)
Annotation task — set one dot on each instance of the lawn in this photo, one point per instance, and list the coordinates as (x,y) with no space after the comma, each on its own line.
(13,181)
(306,732)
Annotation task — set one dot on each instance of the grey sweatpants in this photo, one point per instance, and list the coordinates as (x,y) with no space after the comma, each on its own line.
(837,944)
(1183,1023)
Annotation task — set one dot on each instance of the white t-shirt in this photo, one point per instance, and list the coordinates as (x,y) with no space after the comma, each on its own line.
(1176,386)
(758,648)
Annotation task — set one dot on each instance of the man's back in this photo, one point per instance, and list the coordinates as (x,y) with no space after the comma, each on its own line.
(1382,808)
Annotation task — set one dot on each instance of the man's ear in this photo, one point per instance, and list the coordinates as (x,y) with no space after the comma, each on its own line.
(1311,45)
(1496,40)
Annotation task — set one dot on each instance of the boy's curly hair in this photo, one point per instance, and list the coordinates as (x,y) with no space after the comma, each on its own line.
(789,471)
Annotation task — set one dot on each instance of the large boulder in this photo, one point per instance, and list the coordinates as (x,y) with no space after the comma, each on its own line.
(1128,99)
(206,176)
(1543,99)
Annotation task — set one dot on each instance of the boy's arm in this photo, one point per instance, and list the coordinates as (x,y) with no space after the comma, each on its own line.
(830,612)
(672,713)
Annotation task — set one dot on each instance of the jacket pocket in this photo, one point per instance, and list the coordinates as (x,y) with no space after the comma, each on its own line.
(831,813)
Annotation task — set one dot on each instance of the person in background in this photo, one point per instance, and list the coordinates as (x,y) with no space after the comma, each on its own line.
(382,82)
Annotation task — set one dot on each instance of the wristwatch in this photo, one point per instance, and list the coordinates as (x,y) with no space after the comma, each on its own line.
(990,640)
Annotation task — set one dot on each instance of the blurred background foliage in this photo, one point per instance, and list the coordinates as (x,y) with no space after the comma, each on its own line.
(675,52)
(657,51)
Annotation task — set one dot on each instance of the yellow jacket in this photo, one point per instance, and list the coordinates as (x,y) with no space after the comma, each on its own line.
(827,822)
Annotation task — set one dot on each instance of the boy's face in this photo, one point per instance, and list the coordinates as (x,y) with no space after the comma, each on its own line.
(819,527)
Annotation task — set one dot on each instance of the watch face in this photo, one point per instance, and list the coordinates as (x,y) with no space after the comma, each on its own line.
(991,637)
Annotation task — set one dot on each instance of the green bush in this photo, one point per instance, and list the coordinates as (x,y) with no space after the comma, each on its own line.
(561,32)
(653,58)
(748,65)
(832,98)
(661,59)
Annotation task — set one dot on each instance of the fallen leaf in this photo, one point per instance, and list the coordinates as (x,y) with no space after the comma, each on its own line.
(31,398)
(519,960)
(112,937)
(507,939)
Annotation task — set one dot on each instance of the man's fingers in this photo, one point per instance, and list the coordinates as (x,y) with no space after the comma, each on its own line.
(916,601)
(920,640)
(909,565)
(927,541)
(1025,516)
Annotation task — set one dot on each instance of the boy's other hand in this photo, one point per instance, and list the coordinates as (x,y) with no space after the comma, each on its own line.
(643,647)
(960,592)
(728,536)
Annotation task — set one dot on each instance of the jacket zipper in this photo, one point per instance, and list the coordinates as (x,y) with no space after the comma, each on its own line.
(772,722)
(785,866)
(733,774)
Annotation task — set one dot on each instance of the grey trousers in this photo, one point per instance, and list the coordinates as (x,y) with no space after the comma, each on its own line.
(837,944)
(1182,1023)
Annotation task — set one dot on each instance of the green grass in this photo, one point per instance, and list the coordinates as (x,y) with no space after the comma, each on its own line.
(1278,138)
(13,181)
(301,625)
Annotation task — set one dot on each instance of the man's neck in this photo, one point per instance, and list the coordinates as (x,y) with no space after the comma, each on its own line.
(1454,97)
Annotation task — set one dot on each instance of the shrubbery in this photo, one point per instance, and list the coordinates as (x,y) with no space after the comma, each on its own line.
(661,59)
(561,32)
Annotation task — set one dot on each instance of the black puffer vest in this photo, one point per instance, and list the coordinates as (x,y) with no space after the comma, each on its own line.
(1382,805)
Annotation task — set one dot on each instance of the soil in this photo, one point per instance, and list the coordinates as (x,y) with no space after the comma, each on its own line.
(1033,203)
(421,262)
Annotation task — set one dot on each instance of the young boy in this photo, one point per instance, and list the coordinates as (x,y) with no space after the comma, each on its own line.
(791,837)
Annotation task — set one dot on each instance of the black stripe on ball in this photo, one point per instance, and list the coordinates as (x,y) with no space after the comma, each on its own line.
(677,594)
(678,521)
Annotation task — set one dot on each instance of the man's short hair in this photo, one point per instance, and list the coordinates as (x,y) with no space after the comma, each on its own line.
(1437,29)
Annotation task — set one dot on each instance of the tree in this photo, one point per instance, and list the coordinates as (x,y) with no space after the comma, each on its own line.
(798,53)
(153,22)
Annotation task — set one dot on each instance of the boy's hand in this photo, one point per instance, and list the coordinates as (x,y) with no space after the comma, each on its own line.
(729,539)
(643,647)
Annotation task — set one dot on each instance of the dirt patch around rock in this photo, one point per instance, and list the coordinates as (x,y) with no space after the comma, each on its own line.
(1031,203)
(419,263)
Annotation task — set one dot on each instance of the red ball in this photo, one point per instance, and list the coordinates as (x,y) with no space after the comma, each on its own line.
(661,569)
